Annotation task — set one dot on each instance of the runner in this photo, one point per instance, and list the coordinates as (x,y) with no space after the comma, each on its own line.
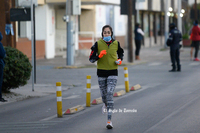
(108,54)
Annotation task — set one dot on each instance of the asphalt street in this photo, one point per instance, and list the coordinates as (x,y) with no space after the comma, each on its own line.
(166,103)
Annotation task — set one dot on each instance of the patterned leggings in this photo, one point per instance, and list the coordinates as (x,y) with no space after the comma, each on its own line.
(107,87)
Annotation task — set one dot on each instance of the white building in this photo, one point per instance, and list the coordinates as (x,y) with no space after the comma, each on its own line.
(51,29)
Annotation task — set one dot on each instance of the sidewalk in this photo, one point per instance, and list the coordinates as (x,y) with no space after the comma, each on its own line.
(146,54)
(83,61)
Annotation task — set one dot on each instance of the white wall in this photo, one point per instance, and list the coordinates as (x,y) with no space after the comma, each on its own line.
(100,19)
(190,2)
(120,22)
(61,31)
(40,22)
(45,28)
(156,5)
(28,30)
(50,31)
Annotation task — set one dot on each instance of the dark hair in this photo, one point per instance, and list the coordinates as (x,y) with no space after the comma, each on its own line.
(172,25)
(196,22)
(137,25)
(107,26)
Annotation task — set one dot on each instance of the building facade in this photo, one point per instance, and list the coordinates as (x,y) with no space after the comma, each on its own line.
(51,28)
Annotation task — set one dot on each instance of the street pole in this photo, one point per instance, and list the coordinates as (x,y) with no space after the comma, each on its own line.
(138,10)
(70,46)
(179,17)
(166,22)
(32,44)
(195,10)
(130,45)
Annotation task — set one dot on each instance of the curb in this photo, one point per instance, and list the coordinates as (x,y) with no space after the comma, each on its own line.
(135,87)
(97,101)
(119,93)
(66,67)
(74,110)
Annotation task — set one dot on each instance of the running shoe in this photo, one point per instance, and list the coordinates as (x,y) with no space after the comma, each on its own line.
(196,59)
(109,125)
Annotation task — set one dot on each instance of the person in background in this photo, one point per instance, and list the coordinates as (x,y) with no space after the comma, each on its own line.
(2,64)
(108,54)
(195,32)
(173,42)
(138,40)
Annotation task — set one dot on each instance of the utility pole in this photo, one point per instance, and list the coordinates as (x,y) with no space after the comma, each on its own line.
(130,45)
(137,11)
(195,9)
(166,22)
(32,42)
(70,45)
(179,17)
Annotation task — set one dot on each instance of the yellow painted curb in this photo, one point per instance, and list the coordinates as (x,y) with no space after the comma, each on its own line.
(97,101)
(135,87)
(74,110)
(119,93)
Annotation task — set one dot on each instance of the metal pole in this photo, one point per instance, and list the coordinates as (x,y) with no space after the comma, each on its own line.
(88,90)
(70,48)
(32,44)
(179,17)
(59,99)
(166,22)
(195,10)
(138,10)
(126,80)
(130,46)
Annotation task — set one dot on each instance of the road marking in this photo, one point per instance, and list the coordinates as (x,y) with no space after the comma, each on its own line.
(118,98)
(72,97)
(21,126)
(178,110)
(120,87)
(194,64)
(54,116)
(155,64)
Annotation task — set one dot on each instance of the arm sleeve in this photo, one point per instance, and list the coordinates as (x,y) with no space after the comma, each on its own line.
(120,52)
(170,39)
(2,51)
(140,31)
(94,55)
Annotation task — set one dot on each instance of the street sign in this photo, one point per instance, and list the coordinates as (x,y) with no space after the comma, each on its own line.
(27,3)
(20,14)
